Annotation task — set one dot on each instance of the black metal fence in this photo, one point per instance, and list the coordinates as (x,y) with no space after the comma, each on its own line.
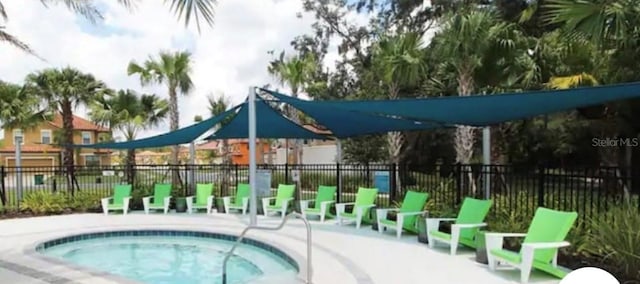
(589,191)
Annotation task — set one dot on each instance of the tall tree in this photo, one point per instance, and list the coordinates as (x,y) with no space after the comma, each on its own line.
(63,90)
(400,62)
(296,72)
(18,110)
(466,39)
(187,9)
(174,71)
(129,113)
(218,105)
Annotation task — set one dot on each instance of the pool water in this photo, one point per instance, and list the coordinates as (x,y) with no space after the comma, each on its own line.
(172,260)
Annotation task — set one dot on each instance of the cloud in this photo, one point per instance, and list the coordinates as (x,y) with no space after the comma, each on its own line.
(227,58)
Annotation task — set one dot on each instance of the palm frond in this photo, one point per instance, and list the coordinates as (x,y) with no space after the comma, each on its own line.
(194,8)
(572,81)
(3,12)
(12,40)
(85,8)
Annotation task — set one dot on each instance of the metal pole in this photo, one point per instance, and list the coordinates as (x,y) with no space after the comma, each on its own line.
(339,161)
(18,143)
(486,160)
(253,202)
(192,161)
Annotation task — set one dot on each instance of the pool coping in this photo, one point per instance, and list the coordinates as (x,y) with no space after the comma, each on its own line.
(295,260)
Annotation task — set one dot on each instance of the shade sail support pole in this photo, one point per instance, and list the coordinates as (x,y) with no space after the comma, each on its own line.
(486,160)
(253,208)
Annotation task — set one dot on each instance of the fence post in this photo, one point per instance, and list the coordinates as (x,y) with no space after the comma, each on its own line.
(541,181)
(54,185)
(393,183)
(338,183)
(3,192)
(236,175)
(459,183)
(286,173)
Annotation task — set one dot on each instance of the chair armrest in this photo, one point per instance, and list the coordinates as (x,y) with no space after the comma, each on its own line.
(504,235)
(467,226)
(381,214)
(546,245)
(441,219)
(341,206)
(107,199)
(326,203)
(412,213)
(267,200)
(360,209)
(496,240)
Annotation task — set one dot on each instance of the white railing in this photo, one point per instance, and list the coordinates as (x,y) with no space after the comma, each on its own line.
(247,229)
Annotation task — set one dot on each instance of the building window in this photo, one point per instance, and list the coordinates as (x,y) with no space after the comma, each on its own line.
(45,136)
(18,135)
(91,161)
(86,137)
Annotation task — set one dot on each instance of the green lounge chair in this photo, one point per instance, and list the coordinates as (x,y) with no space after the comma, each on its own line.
(283,198)
(470,219)
(412,206)
(240,201)
(121,197)
(539,249)
(161,199)
(365,199)
(321,205)
(203,198)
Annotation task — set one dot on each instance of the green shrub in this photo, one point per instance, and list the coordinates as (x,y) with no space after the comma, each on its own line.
(615,236)
(84,201)
(139,191)
(44,202)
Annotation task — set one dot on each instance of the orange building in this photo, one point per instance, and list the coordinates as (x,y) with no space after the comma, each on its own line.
(240,151)
(38,146)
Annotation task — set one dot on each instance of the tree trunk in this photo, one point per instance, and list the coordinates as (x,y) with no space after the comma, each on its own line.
(395,140)
(464,137)
(174,121)
(67,136)
(297,151)
(130,165)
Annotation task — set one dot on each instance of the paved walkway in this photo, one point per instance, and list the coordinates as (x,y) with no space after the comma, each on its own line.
(340,254)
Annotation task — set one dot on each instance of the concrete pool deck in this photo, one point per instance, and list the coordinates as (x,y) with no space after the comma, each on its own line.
(341,254)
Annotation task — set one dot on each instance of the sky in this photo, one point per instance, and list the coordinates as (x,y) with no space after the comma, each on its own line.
(228,58)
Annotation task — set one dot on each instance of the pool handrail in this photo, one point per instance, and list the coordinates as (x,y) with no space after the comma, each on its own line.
(248,228)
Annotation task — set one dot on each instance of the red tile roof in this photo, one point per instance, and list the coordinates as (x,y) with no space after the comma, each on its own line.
(79,123)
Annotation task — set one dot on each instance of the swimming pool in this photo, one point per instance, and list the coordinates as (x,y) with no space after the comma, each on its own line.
(168,257)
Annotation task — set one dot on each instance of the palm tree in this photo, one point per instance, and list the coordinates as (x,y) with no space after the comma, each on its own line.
(129,113)
(198,9)
(18,110)
(63,90)
(173,70)
(601,22)
(400,62)
(466,39)
(296,72)
(216,107)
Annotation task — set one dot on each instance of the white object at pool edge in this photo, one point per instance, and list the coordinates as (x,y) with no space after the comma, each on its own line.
(589,275)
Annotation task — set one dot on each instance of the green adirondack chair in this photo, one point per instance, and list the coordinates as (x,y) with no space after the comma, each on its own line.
(240,201)
(203,198)
(160,199)
(324,199)
(365,200)
(539,250)
(412,206)
(120,199)
(283,198)
(463,231)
